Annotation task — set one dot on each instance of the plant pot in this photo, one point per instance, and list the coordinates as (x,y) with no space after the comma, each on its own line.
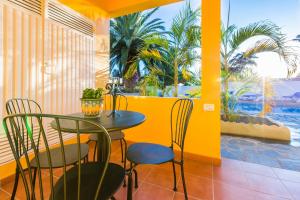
(91,107)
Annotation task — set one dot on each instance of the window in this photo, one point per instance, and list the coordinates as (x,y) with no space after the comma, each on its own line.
(158,52)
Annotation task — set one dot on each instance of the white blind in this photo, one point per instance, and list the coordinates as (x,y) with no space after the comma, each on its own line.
(45,59)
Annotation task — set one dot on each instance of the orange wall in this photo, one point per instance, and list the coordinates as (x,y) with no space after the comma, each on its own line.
(113,8)
(203,136)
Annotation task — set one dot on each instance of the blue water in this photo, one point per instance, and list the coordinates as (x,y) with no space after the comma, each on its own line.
(257,107)
(287,115)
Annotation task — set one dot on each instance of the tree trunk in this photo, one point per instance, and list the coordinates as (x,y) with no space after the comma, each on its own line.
(226,99)
(130,84)
(226,92)
(175,94)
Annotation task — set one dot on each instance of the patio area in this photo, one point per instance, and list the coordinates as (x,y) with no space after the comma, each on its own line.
(261,151)
(96,96)
(234,180)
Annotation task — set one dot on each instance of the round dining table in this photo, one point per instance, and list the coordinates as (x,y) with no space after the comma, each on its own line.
(119,121)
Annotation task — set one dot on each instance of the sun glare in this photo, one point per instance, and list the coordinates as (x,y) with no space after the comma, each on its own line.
(270,65)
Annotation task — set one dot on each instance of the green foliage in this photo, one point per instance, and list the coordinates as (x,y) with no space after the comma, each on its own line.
(237,64)
(91,93)
(150,83)
(131,34)
(185,39)
(194,93)
(233,99)
(145,45)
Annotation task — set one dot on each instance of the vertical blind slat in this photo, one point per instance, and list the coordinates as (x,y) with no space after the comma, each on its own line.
(57,83)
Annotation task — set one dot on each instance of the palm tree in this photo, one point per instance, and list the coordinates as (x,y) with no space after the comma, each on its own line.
(128,36)
(266,37)
(184,42)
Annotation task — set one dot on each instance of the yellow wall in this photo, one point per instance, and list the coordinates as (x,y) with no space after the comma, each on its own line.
(203,136)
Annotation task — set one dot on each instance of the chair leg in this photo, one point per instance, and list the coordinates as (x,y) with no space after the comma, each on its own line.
(183,181)
(135,178)
(86,159)
(129,187)
(125,158)
(95,149)
(174,173)
(121,144)
(15,184)
(33,183)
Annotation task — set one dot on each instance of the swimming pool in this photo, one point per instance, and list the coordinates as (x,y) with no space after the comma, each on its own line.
(288,115)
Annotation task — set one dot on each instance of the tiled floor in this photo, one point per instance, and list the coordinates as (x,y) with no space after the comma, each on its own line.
(265,152)
(234,180)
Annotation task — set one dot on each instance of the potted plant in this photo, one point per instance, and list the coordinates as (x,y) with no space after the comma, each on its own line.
(92,101)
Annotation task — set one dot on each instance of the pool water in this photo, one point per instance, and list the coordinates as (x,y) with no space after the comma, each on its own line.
(287,115)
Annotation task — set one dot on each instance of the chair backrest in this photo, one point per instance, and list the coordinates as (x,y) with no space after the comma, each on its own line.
(24,106)
(180,116)
(21,105)
(23,162)
(121,102)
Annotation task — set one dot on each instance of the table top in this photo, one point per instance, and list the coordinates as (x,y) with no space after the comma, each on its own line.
(122,120)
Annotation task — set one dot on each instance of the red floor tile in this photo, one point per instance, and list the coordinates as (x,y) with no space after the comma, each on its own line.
(233,180)
(267,185)
(223,191)
(197,168)
(143,171)
(229,164)
(263,196)
(149,191)
(161,177)
(4,195)
(197,186)
(287,175)
(180,196)
(258,169)
(121,194)
(230,176)
(293,188)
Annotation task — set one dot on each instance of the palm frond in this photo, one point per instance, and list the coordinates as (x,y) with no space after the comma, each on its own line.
(262,28)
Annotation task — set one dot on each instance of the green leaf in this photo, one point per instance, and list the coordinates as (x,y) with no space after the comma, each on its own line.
(28,127)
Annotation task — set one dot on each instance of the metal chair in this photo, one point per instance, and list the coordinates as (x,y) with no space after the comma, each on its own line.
(27,106)
(148,153)
(88,181)
(121,104)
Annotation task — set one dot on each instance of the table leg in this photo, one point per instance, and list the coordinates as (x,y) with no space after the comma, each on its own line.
(101,149)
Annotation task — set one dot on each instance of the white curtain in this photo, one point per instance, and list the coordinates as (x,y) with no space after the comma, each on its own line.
(43,60)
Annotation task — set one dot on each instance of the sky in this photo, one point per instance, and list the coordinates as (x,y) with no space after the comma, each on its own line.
(284,13)
(168,12)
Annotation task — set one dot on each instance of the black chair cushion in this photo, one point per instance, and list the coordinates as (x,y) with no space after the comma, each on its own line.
(90,175)
(114,135)
(148,153)
(56,156)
